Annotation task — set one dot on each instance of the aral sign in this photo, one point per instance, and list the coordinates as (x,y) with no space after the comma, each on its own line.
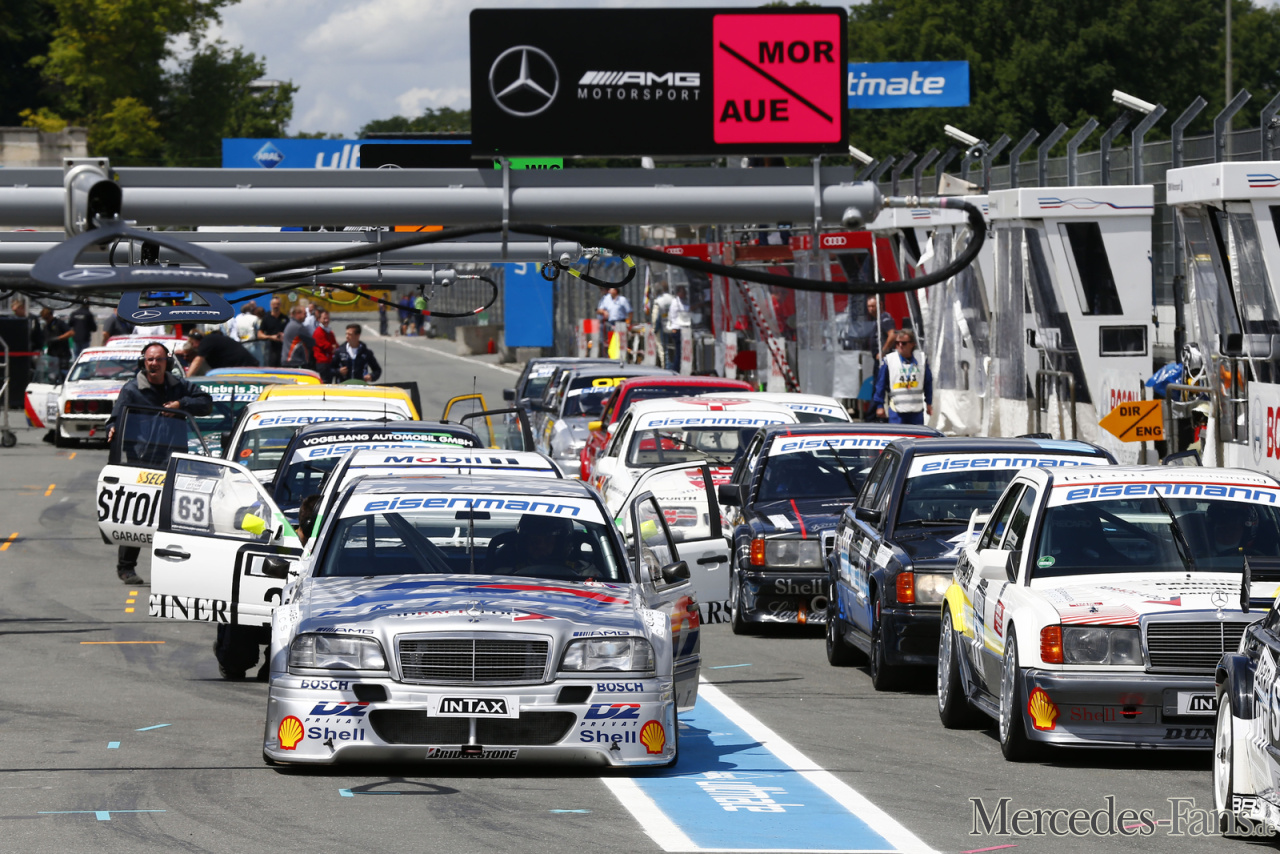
(670,82)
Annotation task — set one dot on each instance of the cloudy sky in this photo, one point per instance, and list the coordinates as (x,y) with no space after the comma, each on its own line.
(358,60)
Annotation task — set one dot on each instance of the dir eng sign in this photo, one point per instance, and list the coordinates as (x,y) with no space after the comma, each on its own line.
(907,85)
(658,82)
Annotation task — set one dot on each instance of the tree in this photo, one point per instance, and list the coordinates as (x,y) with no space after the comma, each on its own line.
(128,133)
(25,31)
(433,120)
(1035,63)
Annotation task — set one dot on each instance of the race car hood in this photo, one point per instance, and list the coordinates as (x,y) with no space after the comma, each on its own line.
(1119,600)
(804,518)
(94,388)
(400,604)
(932,546)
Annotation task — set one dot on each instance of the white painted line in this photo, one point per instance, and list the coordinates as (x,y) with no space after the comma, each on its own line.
(653,821)
(434,352)
(844,794)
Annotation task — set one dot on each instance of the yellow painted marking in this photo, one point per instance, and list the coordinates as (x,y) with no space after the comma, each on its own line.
(73,455)
(133,592)
(128,610)
(49,491)
(130,601)
(106,643)
(9,541)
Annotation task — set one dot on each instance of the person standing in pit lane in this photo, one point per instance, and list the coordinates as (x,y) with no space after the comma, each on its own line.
(904,384)
(271,332)
(83,325)
(57,337)
(356,360)
(157,387)
(326,348)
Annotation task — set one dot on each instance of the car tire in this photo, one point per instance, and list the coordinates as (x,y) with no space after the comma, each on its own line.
(737,622)
(954,708)
(884,676)
(840,653)
(1014,742)
(1224,768)
(60,441)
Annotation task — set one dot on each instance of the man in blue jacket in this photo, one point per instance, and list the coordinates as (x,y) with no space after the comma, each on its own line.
(355,359)
(904,384)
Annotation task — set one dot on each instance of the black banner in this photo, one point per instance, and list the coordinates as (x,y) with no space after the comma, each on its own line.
(631,82)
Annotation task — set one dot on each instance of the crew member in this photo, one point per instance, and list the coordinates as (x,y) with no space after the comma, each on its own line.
(216,350)
(904,384)
(355,359)
(157,387)
(326,348)
(613,309)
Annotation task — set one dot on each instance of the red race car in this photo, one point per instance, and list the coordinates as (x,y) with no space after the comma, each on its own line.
(644,388)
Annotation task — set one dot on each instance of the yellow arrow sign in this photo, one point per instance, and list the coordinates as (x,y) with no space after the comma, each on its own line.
(1140,421)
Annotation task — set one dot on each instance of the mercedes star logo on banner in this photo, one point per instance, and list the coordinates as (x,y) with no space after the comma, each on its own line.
(514,85)
(85,274)
(146,314)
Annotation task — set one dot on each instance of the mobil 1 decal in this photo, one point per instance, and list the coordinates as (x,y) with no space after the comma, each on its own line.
(658,81)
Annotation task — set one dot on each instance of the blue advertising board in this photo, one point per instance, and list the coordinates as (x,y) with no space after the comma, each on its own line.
(907,85)
(528,301)
(306,153)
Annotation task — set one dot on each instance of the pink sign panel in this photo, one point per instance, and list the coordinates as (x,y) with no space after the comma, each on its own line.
(777,78)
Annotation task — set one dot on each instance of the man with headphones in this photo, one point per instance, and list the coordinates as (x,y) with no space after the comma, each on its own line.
(158,387)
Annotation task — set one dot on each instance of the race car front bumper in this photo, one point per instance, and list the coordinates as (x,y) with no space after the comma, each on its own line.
(1092,709)
(911,635)
(781,596)
(81,426)
(607,721)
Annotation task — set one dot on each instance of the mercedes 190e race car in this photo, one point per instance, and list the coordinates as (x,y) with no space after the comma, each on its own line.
(1094,608)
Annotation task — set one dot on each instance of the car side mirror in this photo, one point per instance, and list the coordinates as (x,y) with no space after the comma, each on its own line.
(509,394)
(675,572)
(729,494)
(275,567)
(993,564)
(871,517)
(595,426)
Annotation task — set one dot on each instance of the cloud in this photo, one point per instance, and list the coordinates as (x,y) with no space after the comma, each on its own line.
(415,101)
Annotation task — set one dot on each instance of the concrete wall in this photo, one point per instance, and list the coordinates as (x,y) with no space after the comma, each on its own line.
(30,147)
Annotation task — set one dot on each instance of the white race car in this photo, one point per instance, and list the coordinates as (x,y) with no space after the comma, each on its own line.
(809,408)
(1095,605)
(77,407)
(657,433)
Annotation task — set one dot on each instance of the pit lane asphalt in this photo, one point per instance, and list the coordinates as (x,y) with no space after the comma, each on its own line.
(67,695)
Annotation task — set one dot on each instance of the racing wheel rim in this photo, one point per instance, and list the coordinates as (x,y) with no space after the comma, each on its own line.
(1008,687)
(945,650)
(1222,758)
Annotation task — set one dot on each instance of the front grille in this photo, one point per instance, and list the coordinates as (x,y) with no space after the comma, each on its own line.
(1191,647)
(417,727)
(465,661)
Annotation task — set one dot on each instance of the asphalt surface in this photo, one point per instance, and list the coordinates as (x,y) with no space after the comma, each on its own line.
(116,733)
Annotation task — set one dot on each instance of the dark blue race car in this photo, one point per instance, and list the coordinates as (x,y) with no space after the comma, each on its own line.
(782,503)
(896,547)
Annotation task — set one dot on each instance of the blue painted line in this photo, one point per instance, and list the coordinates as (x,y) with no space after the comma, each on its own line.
(568,811)
(102,815)
(112,745)
(149,728)
(727,666)
(347,793)
(729,792)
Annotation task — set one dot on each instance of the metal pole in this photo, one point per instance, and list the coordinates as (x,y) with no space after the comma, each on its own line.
(988,156)
(1015,154)
(941,167)
(1269,128)
(1227,69)
(898,169)
(1042,154)
(876,175)
(972,156)
(921,165)
(1179,264)
(1104,151)
(1073,147)
(1139,139)
(866,171)
(1222,125)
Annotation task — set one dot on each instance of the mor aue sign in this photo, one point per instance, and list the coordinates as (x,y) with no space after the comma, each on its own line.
(658,81)
(903,85)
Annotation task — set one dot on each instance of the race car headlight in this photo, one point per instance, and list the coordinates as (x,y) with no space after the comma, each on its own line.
(629,655)
(336,652)
(931,588)
(801,554)
(1101,645)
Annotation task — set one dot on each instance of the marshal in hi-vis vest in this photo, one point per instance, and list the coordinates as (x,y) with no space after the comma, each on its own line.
(906,383)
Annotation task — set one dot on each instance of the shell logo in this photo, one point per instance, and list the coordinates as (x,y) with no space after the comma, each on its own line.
(290,733)
(653,737)
(1043,711)
(255,416)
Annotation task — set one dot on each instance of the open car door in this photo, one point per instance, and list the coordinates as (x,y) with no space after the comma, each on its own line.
(686,494)
(501,429)
(223,552)
(463,404)
(137,456)
(664,577)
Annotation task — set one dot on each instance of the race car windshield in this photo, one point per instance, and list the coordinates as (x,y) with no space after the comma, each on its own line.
(951,497)
(452,539)
(1139,535)
(816,474)
(104,369)
(586,400)
(263,449)
(721,445)
(818,418)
